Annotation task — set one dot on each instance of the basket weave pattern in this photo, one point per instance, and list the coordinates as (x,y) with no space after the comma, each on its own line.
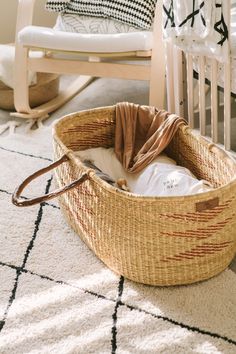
(152,240)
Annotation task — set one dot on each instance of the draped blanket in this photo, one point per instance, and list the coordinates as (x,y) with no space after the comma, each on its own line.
(142,133)
(198,26)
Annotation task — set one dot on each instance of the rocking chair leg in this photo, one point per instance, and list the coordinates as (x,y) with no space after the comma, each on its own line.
(43,110)
(157,91)
(21,89)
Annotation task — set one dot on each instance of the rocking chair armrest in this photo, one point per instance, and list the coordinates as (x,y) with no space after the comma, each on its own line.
(24,15)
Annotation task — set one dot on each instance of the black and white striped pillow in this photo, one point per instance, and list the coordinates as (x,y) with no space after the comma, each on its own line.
(56,5)
(137,13)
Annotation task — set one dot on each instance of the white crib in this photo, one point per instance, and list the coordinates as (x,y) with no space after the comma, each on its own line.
(186,96)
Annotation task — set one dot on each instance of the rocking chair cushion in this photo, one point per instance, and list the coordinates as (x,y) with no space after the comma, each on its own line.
(44,37)
(137,13)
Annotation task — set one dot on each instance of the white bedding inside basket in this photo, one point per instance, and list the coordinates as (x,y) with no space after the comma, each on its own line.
(160,178)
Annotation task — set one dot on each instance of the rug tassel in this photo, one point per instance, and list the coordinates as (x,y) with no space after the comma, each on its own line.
(40,123)
(31,122)
(11,126)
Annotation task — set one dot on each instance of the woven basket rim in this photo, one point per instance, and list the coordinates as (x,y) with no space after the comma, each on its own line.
(127,195)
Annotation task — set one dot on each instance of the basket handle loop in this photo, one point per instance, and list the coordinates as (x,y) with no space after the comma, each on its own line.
(16,197)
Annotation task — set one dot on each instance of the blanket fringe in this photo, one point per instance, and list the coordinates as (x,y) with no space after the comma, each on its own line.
(12,125)
(38,123)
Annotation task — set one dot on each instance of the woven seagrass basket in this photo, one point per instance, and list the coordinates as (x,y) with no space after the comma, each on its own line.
(151,240)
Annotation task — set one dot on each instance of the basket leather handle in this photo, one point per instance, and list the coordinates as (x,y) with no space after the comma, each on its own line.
(16,197)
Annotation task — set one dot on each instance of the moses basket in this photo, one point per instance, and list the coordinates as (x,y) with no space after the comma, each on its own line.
(151,240)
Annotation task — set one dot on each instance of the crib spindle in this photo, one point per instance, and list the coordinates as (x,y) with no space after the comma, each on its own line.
(227,105)
(169,78)
(178,81)
(202,98)
(214,101)
(190,94)
(227,83)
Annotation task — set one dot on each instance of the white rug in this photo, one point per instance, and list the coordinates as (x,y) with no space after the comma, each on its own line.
(57,297)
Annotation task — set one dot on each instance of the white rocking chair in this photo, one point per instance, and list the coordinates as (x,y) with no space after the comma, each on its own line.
(100,51)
